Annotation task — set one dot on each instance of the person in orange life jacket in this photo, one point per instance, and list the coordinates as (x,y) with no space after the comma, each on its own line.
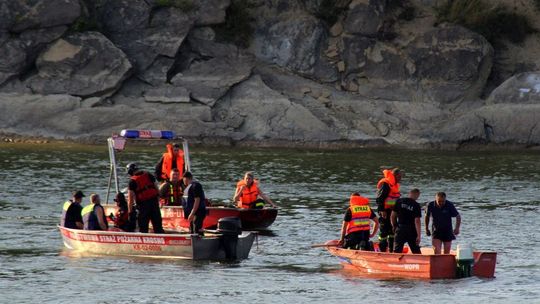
(171,192)
(142,190)
(121,218)
(248,194)
(71,212)
(355,230)
(442,212)
(406,222)
(94,215)
(387,194)
(194,206)
(172,159)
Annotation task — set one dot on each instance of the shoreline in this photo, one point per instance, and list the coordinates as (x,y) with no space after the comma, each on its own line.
(221,142)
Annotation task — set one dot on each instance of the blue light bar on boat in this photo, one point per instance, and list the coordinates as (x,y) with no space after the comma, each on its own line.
(145,134)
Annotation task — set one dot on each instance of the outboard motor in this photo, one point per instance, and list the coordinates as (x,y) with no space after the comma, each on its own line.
(230,227)
(465,260)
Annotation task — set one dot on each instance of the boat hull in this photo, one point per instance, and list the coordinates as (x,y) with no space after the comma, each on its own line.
(180,246)
(252,219)
(407,265)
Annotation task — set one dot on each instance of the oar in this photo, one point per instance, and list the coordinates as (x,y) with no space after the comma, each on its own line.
(324,245)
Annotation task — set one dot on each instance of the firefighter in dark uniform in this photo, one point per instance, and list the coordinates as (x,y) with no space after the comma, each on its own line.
(71,212)
(406,222)
(355,230)
(387,194)
(143,191)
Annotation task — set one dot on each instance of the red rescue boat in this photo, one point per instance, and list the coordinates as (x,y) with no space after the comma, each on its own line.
(251,219)
(412,266)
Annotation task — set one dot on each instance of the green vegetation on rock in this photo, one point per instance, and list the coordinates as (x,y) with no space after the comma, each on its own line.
(184,5)
(84,24)
(237,28)
(494,22)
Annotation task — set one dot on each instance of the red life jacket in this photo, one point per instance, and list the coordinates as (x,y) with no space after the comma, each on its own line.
(146,189)
(249,195)
(394,194)
(167,164)
(360,214)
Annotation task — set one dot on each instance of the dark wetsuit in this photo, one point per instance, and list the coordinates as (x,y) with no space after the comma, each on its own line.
(442,220)
(358,239)
(386,234)
(408,210)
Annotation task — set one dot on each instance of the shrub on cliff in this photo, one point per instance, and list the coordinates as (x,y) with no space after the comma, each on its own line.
(491,21)
(237,27)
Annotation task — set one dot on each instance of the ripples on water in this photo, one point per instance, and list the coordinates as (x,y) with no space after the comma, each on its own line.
(496,192)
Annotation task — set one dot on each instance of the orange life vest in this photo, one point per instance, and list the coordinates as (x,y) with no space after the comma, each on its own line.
(145,187)
(249,194)
(360,214)
(167,164)
(394,194)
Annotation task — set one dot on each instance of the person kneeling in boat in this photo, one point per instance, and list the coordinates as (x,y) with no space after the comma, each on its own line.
(194,206)
(171,192)
(406,222)
(355,231)
(442,212)
(122,219)
(248,195)
(93,215)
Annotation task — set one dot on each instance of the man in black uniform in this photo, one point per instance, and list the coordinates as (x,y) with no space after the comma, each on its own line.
(406,222)
(195,205)
(142,189)
(71,213)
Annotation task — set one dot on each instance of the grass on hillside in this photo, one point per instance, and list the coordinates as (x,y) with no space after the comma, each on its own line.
(491,21)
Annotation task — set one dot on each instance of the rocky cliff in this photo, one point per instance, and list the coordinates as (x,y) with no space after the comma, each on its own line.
(267,72)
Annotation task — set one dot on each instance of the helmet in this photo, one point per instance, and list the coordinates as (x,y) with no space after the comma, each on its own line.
(132,168)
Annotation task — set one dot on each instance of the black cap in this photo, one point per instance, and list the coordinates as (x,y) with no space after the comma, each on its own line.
(188,174)
(78,194)
(132,168)
(176,145)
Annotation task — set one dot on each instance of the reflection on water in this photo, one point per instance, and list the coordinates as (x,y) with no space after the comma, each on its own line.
(496,193)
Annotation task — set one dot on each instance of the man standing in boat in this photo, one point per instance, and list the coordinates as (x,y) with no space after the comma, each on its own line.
(94,215)
(387,194)
(172,159)
(406,222)
(143,191)
(248,195)
(355,230)
(442,212)
(195,205)
(171,191)
(71,212)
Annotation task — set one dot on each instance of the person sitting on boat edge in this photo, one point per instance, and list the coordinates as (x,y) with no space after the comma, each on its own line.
(172,159)
(71,212)
(171,192)
(194,206)
(387,194)
(355,230)
(93,215)
(442,212)
(249,195)
(122,219)
(143,192)
(405,220)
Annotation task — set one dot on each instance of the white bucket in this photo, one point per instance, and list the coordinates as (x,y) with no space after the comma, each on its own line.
(464,252)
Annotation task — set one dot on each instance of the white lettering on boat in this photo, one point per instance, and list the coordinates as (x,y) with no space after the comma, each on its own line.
(153,240)
(107,238)
(405,266)
(128,239)
(87,237)
(143,247)
(185,242)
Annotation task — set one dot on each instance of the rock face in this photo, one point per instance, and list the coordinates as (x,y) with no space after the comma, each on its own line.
(315,71)
(85,64)
(519,89)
